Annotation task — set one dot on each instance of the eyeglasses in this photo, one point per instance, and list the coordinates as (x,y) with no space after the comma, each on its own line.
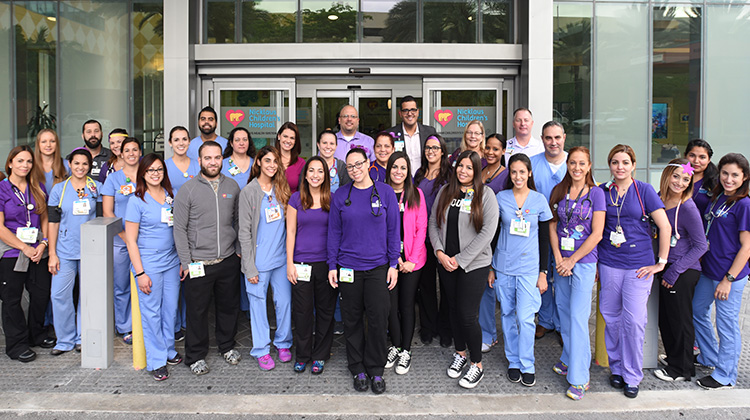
(431,148)
(152,171)
(474,133)
(357,165)
(351,116)
(412,110)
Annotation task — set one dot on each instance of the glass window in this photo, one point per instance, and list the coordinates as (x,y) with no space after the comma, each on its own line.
(269,21)
(94,81)
(147,32)
(260,111)
(726,104)
(220,16)
(305,126)
(36,88)
(497,27)
(374,114)
(572,71)
(675,114)
(452,110)
(323,21)
(450,21)
(6,137)
(389,21)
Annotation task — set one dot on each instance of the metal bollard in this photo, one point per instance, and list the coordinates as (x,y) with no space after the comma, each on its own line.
(97,294)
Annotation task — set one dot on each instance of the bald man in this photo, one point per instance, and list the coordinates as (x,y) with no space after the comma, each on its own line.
(349,138)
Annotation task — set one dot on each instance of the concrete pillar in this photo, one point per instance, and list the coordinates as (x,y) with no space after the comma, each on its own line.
(651,339)
(536,71)
(179,68)
(97,294)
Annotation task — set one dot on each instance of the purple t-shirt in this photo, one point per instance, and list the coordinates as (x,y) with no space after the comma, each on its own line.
(581,215)
(498,182)
(691,245)
(637,250)
(724,238)
(15,212)
(312,232)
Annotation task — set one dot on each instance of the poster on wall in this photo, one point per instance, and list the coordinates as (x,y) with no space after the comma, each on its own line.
(451,122)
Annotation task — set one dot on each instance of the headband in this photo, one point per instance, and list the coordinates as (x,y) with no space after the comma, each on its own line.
(686,168)
(118,135)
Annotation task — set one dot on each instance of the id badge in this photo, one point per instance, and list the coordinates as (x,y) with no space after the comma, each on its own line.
(304,272)
(465,206)
(401,207)
(399,145)
(234,170)
(376,204)
(346,275)
(273,214)
(520,227)
(196,270)
(617,237)
(167,216)
(81,207)
(127,189)
(27,235)
(673,241)
(568,244)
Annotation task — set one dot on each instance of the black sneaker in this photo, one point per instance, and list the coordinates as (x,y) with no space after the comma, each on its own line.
(378,384)
(404,362)
(616,381)
(631,391)
(360,382)
(528,379)
(161,374)
(338,327)
(392,356)
(179,336)
(454,370)
(709,382)
(175,360)
(514,375)
(472,377)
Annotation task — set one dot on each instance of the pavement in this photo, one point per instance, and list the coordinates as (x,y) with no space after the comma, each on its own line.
(58,388)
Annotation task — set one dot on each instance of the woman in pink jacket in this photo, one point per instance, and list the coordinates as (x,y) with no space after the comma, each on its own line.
(413,210)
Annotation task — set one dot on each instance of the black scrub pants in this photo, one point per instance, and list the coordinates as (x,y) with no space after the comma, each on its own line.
(434,319)
(313,304)
(676,323)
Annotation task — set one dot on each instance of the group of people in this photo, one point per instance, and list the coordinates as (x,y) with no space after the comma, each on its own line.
(370,225)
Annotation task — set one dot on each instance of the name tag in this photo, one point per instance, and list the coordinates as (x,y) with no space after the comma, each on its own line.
(399,145)
(346,275)
(465,205)
(273,214)
(401,207)
(673,241)
(167,216)
(81,207)
(568,244)
(196,270)
(617,237)
(376,204)
(520,227)
(235,170)
(27,235)
(304,272)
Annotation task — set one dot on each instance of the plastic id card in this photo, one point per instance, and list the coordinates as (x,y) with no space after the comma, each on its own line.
(346,275)
(304,272)
(197,270)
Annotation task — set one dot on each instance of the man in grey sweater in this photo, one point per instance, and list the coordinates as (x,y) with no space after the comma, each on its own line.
(205,234)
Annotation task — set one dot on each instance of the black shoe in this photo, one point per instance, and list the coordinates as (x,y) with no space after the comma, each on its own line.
(514,375)
(179,336)
(27,356)
(528,379)
(360,382)
(426,339)
(709,382)
(616,381)
(78,348)
(631,391)
(175,360)
(378,385)
(338,327)
(57,352)
(48,343)
(446,342)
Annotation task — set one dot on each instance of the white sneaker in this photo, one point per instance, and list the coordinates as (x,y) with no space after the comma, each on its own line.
(486,347)
(664,376)
(392,356)
(404,362)
(454,370)
(472,377)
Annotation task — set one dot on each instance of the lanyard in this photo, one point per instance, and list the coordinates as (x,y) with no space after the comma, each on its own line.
(333,171)
(569,211)
(676,215)
(494,174)
(721,212)
(619,204)
(26,204)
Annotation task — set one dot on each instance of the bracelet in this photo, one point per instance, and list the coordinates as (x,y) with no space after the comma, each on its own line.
(663,261)
(140,274)
(44,242)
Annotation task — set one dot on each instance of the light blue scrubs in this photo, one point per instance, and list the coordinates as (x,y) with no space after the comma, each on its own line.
(196,143)
(67,324)
(270,259)
(516,265)
(49,177)
(160,262)
(545,180)
(333,172)
(121,188)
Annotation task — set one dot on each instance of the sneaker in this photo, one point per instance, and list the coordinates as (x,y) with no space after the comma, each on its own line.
(528,379)
(199,368)
(404,362)
(317,367)
(161,374)
(266,362)
(514,375)
(391,358)
(360,382)
(486,347)
(560,368)
(709,382)
(616,381)
(472,377)
(175,360)
(576,392)
(338,328)
(285,355)
(232,357)
(378,385)
(666,377)
(299,367)
(696,363)
(128,339)
(454,370)
(541,332)
(179,336)
(631,391)
(662,358)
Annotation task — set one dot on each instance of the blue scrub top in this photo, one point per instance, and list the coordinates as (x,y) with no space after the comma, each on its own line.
(270,244)
(242,177)
(69,236)
(178,178)
(118,186)
(155,239)
(519,255)
(196,143)
(544,179)
(334,174)
(49,177)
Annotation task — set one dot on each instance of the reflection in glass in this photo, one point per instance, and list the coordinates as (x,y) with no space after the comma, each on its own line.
(147,31)
(269,21)
(6,142)
(327,21)
(260,111)
(675,114)
(450,21)
(374,115)
(304,125)
(452,110)
(36,88)
(496,22)
(327,112)
(572,72)
(389,21)
(220,16)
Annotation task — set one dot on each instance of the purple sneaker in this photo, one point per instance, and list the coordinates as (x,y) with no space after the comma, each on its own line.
(285,355)
(266,362)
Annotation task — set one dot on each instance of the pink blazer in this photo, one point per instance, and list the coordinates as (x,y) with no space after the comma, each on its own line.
(415,233)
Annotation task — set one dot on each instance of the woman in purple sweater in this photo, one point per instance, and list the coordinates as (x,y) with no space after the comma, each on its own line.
(681,274)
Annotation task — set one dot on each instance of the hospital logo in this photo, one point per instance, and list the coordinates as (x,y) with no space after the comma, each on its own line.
(443,116)
(235,116)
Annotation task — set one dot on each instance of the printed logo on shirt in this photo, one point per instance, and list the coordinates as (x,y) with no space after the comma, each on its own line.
(226,195)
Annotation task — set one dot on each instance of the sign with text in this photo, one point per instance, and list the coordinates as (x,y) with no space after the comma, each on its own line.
(262,122)
(451,121)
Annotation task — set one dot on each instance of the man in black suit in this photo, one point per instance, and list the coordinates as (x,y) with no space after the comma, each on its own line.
(411,135)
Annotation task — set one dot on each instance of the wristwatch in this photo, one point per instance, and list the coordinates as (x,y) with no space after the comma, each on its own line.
(543,271)
(663,261)
(730,278)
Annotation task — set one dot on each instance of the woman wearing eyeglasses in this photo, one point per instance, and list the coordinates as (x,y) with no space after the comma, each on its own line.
(473,139)
(363,252)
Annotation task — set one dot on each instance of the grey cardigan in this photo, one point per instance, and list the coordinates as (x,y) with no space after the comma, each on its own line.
(476,251)
(250,204)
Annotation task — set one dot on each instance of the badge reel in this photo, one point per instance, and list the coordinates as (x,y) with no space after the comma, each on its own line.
(196,270)
(81,207)
(234,170)
(304,272)
(346,275)
(127,189)
(673,241)
(167,216)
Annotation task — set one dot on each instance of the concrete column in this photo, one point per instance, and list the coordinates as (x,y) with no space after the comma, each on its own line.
(179,68)
(97,294)
(536,73)
(651,339)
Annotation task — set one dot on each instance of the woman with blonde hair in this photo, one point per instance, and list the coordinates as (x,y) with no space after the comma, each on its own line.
(50,168)
(472,139)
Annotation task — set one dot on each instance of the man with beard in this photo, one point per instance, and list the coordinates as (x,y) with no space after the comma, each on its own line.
(207,123)
(92,138)
(205,234)
(410,134)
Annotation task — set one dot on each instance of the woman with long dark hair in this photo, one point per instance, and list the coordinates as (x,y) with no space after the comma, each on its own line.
(706,175)
(462,224)
(289,146)
(384,147)
(156,267)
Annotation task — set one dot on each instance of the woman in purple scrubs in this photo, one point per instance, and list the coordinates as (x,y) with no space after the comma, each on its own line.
(706,176)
